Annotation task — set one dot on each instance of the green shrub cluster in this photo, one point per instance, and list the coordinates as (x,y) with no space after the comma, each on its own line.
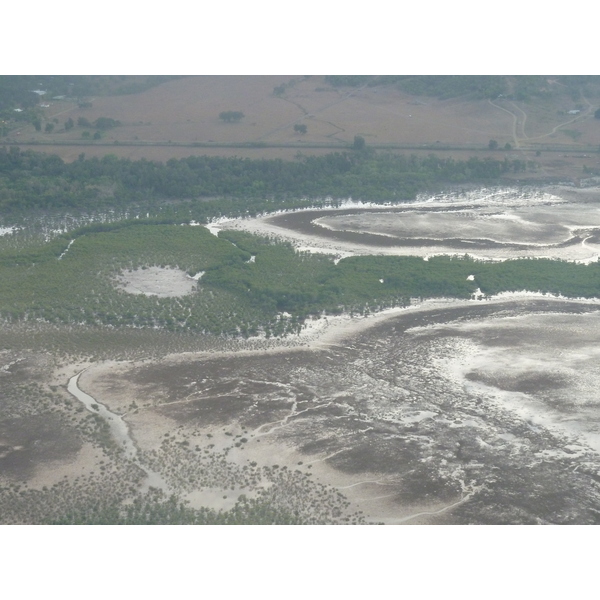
(250,284)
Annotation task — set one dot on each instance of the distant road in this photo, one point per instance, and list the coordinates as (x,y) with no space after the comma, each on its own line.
(524,137)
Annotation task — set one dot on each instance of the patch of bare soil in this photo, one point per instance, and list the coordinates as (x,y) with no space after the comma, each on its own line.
(28,441)
(156,281)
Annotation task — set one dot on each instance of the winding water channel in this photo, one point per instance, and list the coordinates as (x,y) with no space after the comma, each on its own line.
(120,431)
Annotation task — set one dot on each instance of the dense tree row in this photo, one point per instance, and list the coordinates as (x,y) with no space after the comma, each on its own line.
(30,180)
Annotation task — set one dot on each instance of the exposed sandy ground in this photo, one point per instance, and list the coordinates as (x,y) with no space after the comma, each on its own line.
(281,432)
(496,224)
(112,382)
(335,360)
(84,463)
(156,281)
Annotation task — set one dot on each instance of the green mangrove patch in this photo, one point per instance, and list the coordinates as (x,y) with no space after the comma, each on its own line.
(250,285)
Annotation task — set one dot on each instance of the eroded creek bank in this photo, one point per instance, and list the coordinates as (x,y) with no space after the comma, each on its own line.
(120,431)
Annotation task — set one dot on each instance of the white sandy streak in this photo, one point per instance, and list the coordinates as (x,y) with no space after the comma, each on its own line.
(66,249)
(442,510)
(474,201)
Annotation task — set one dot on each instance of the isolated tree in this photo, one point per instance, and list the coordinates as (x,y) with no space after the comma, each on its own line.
(83,122)
(507,146)
(493,145)
(231,116)
(69,124)
(359,143)
(106,123)
(49,127)
(37,124)
(300,128)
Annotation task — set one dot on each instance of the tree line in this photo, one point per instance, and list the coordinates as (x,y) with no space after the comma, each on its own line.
(32,180)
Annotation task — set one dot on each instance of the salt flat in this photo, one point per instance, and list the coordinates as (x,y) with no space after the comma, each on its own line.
(156,281)
(493,225)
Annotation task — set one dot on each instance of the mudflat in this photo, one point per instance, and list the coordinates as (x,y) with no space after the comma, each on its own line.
(446,411)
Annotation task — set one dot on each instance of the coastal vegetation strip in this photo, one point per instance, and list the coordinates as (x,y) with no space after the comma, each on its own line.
(132,216)
(34,181)
(251,285)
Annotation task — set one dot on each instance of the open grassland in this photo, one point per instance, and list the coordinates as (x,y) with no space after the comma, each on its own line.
(187,111)
(168,120)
